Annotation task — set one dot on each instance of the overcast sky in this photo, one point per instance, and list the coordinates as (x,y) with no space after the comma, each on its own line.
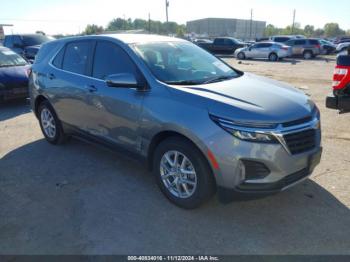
(71,16)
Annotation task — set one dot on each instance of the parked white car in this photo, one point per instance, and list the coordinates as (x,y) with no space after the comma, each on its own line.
(342,47)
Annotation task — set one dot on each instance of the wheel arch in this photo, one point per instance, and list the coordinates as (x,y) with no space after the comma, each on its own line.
(38,100)
(163,135)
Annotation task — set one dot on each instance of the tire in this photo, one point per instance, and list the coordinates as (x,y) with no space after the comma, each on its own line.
(241,56)
(307,55)
(273,57)
(197,169)
(50,125)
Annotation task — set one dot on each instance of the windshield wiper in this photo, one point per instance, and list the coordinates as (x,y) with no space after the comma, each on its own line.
(183,82)
(218,79)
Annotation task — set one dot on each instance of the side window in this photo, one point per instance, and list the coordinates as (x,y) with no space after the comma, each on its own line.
(111,59)
(76,57)
(219,41)
(290,42)
(300,42)
(17,41)
(314,42)
(57,62)
(228,42)
(8,41)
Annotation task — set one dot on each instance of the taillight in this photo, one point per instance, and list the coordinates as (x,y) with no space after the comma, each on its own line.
(341,77)
(318,46)
(28,71)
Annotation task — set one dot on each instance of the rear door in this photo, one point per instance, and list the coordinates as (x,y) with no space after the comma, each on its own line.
(298,47)
(68,83)
(264,50)
(114,112)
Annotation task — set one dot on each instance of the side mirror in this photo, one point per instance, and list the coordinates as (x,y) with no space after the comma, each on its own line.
(123,80)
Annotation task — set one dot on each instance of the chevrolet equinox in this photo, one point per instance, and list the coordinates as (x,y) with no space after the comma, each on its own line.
(201,125)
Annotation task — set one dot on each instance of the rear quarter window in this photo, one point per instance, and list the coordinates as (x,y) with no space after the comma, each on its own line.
(314,42)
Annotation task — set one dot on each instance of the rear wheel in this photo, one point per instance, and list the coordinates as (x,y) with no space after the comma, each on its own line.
(273,57)
(50,124)
(307,55)
(182,173)
(241,56)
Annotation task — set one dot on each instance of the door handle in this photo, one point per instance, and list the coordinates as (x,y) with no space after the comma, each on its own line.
(51,76)
(91,88)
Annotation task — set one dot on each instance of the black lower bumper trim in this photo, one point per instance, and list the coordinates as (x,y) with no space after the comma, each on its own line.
(338,102)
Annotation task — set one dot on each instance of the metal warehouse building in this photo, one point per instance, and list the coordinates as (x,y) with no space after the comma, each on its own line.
(238,28)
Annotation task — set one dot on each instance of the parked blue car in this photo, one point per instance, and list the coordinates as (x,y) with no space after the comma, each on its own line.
(13,75)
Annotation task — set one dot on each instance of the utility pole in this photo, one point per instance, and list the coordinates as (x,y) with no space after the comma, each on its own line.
(251,24)
(166,10)
(166,13)
(149,23)
(293,21)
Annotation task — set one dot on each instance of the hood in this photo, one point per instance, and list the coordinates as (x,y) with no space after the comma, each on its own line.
(252,98)
(241,49)
(13,76)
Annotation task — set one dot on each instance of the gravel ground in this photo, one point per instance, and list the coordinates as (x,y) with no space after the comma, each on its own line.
(83,199)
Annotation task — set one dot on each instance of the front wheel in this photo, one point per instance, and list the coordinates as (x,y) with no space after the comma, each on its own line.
(50,124)
(307,55)
(273,57)
(241,56)
(182,173)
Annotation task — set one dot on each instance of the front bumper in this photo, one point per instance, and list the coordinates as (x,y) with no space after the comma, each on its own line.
(338,102)
(246,190)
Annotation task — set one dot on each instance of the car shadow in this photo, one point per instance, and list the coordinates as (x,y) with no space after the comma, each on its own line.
(81,199)
(10,109)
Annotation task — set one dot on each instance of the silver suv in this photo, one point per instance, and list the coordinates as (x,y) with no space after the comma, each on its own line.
(200,124)
(307,48)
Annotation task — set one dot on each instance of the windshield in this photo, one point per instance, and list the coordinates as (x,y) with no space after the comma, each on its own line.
(183,63)
(29,40)
(10,58)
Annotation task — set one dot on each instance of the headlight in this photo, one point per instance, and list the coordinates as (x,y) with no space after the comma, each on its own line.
(253,136)
(247,131)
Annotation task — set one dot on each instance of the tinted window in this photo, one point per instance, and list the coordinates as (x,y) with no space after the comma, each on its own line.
(281,39)
(228,42)
(111,59)
(76,57)
(264,45)
(29,40)
(314,42)
(290,42)
(8,41)
(219,41)
(17,40)
(299,42)
(59,59)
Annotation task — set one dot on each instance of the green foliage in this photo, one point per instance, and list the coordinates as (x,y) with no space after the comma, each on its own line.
(93,29)
(156,27)
(332,30)
(329,30)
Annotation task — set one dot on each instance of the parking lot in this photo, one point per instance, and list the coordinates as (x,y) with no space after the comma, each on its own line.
(83,199)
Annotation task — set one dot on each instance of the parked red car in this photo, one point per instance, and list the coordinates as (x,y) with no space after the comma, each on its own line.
(340,99)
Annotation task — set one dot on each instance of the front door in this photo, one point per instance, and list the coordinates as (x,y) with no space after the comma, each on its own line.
(114,112)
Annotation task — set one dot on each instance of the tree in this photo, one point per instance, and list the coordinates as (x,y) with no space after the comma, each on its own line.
(309,30)
(348,32)
(318,32)
(271,30)
(332,30)
(93,30)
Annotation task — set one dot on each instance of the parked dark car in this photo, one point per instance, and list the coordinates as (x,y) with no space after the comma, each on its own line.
(226,45)
(327,47)
(26,45)
(13,75)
